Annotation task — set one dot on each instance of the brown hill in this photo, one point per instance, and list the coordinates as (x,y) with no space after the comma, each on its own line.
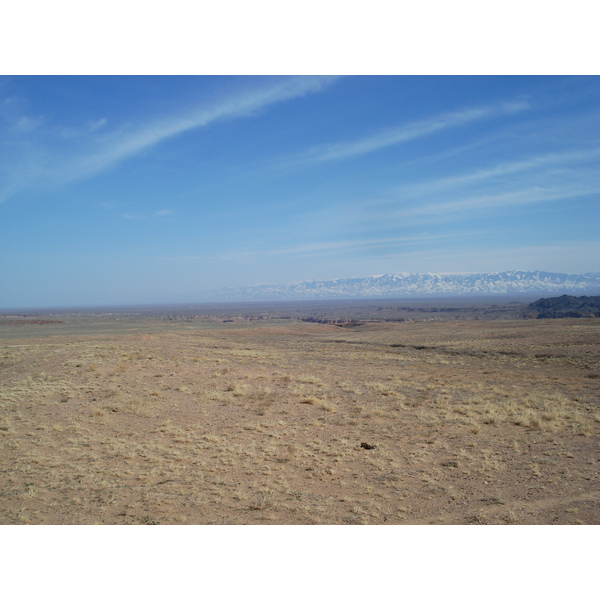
(564,306)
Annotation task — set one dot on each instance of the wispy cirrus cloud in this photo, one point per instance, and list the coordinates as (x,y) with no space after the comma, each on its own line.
(54,164)
(480,257)
(568,159)
(157,214)
(27,124)
(122,146)
(98,124)
(319,248)
(499,188)
(500,201)
(404,133)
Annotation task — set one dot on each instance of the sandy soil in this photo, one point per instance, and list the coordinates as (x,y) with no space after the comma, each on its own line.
(288,422)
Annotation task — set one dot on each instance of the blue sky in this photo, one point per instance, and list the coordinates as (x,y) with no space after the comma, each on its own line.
(128,190)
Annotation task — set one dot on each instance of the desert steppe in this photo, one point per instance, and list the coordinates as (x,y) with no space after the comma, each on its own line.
(110,418)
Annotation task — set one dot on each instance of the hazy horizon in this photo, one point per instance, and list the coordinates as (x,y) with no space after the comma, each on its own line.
(442,298)
(277,305)
(143,190)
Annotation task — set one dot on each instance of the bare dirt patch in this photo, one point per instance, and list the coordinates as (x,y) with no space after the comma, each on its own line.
(291,422)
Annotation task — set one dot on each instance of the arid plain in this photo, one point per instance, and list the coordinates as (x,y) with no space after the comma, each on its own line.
(199,417)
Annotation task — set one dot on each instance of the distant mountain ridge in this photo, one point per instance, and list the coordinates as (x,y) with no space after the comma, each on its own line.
(423,284)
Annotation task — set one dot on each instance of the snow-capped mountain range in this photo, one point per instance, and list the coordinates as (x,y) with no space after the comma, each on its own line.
(401,285)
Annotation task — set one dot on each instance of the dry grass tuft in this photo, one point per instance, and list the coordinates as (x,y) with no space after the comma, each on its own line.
(262,500)
(312,379)
(323,403)
(238,389)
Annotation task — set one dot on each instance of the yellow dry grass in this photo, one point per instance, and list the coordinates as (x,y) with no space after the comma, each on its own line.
(285,422)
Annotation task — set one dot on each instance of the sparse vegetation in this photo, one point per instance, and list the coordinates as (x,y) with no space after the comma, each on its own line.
(302,422)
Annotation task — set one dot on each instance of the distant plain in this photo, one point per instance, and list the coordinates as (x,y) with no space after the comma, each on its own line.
(337,412)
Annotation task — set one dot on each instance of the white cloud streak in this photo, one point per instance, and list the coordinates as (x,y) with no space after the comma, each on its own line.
(95,125)
(522,197)
(557,257)
(112,148)
(318,248)
(158,214)
(242,105)
(406,133)
(552,177)
(501,170)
